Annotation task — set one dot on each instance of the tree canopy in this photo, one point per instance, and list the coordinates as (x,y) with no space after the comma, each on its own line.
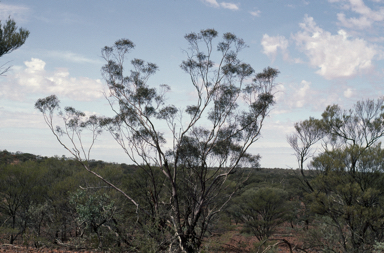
(349,168)
(11,39)
(205,143)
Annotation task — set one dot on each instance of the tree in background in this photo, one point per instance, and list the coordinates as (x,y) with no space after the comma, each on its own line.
(349,181)
(10,39)
(205,144)
(308,133)
(262,210)
(20,190)
(93,211)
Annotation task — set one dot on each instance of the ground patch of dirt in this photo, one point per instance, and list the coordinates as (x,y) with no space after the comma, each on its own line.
(19,249)
(286,240)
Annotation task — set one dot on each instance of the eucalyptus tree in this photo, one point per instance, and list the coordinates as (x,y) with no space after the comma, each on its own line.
(262,210)
(350,172)
(205,144)
(307,134)
(10,39)
(20,190)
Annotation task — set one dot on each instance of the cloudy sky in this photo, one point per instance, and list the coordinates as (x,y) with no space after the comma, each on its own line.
(328,52)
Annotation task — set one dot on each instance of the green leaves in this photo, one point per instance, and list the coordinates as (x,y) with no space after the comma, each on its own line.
(362,125)
(167,112)
(120,48)
(124,45)
(262,210)
(93,209)
(10,37)
(207,35)
(349,170)
(202,152)
(48,104)
(21,188)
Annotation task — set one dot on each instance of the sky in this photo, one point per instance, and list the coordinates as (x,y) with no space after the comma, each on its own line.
(327,51)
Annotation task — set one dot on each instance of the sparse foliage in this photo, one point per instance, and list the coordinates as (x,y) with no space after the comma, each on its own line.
(205,144)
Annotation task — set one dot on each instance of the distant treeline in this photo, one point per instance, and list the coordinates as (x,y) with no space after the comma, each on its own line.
(7,157)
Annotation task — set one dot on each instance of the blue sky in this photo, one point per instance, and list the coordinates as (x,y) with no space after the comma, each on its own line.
(328,52)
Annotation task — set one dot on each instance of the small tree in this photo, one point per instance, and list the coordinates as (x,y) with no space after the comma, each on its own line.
(93,210)
(10,39)
(307,134)
(208,139)
(262,210)
(20,190)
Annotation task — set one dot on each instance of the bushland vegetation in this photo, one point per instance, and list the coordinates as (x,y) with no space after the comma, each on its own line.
(185,196)
(53,202)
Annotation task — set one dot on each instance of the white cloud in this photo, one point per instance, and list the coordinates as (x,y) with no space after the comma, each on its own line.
(367,15)
(35,79)
(348,93)
(255,13)
(17,119)
(230,6)
(360,23)
(272,44)
(297,60)
(377,39)
(16,12)
(69,56)
(212,3)
(35,65)
(335,55)
(225,5)
(294,96)
(302,94)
